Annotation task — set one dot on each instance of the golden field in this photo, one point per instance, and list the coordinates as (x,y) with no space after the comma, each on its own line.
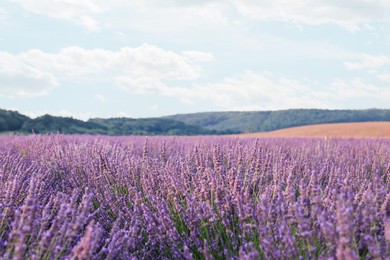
(341,130)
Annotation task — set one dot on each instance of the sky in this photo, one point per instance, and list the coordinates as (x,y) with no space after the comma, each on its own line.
(150,58)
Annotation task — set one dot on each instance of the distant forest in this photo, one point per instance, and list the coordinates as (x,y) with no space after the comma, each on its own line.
(210,123)
(14,122)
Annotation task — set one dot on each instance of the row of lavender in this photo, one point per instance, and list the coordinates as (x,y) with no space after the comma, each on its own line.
(193,198)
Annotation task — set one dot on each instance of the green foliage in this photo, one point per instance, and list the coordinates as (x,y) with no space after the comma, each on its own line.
(149,126)
(113,126)
(11,120)
(65,125)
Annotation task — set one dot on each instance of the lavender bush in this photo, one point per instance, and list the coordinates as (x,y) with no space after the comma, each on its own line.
(83,197)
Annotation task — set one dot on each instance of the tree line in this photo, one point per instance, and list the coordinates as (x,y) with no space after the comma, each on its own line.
(210,123)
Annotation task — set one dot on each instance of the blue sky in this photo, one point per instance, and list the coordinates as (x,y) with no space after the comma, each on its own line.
(147,58)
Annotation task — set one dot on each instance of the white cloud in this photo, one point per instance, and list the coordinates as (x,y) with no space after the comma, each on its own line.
(246,90)
(69,62)
(343,90)
(89,23)
(265,91)
(366,61)
(174,14)
(154,62)
(18,79)
(212,12)
(146,61)
(78,11)
(144,68)
(160,17)
(150,70)
(178,3)
(349,14)
(376,66)
(384,77)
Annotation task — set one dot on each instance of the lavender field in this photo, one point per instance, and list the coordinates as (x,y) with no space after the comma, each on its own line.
(90,197)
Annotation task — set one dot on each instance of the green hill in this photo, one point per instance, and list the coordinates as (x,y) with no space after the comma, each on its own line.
(247,122)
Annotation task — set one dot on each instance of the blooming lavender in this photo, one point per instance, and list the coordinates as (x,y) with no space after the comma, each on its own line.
(83,197)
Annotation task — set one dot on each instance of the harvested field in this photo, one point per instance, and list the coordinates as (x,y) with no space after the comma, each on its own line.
(341,130)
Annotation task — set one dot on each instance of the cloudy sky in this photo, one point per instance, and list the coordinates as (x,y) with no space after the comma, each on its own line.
(146,58)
